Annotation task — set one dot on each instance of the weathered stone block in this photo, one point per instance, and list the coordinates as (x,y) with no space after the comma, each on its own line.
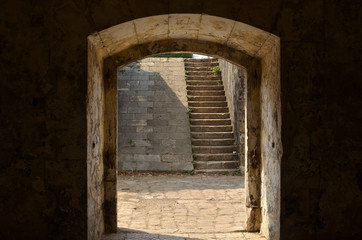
(154,166)
(159,136)
(145,129)
(145,116)
(170,158)
(147,83)
(145,157)
(142,143)
(137,110)
(141,88)
(140,77)
(157,122)
(145,104)
(139,98)
(184,166)
(163,116)
(162,129)
(124,129)
(132,150)
(128,165)
(126,137)
(181,134)
(179,122)
(125,157)
(169,143)
(145,93)
(122,109)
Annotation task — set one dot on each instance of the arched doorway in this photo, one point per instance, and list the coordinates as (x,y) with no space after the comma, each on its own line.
(255,50)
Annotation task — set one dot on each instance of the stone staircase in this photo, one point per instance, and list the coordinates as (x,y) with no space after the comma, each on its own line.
(213,141)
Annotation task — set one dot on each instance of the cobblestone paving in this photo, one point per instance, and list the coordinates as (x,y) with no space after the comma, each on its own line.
(178,207)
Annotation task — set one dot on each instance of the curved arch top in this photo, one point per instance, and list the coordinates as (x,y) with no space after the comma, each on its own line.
(245,38)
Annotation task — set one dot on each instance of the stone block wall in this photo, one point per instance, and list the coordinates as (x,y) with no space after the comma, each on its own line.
(233,78)
(153,125)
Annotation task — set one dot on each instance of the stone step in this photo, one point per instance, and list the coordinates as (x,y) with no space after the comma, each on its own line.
(201,64)
(212,135)
(206,98)
(209,115)
(197,73)
(206,93)
(202,165)
(209,77)
(219,171)
(206,68)
(213,142)
(204,82)
(207,104)
(201,60)
(204,87)
(209,109)
(216,157)
(213,149)
(210,122)
(197,128)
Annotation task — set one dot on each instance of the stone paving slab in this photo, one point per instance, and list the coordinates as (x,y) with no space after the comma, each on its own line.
(181,207)
(201,236)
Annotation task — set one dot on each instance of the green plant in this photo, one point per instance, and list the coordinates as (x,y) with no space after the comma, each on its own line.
(189,110)
(237,173)
(215,70)
(191,172)
(194,157)
(194,164)
(130,141)
(188,97)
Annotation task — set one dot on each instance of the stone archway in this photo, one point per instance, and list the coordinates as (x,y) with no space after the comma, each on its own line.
(241,44)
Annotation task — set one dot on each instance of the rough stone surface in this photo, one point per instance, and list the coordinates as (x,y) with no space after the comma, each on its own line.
(181,204)
(153,125)
(234,79)
(177,236)
(271,143)
(43,111)
(181,207)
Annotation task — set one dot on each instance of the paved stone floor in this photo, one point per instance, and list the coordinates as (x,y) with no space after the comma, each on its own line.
(177,207)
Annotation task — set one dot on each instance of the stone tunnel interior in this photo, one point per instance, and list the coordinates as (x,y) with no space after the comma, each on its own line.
(59,61)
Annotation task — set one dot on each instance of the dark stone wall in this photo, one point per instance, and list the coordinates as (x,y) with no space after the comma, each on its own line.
(233,78)
(43,56)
